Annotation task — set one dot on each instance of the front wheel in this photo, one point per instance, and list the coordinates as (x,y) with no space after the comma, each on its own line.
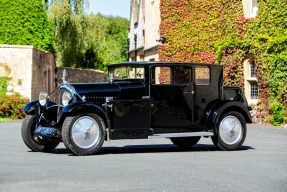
(35,142)
(83,134)
(230,132)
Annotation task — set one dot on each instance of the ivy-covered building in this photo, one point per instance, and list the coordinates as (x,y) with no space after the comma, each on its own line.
(247,37)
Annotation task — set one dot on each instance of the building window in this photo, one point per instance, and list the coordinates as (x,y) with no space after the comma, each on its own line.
(250,8)
(252,69)
(254,9)
(254,90)
(250,81)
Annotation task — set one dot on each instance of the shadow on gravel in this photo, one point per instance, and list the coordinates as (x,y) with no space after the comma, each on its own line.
(158,148)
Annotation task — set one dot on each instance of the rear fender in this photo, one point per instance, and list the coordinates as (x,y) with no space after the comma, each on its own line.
(222,107)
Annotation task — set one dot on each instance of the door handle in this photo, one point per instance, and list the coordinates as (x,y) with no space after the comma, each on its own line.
(189,92)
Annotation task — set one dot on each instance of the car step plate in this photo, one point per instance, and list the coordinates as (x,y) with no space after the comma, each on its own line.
(185,134)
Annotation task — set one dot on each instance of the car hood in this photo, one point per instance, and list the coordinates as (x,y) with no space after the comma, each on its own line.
(119,89)
(98,89)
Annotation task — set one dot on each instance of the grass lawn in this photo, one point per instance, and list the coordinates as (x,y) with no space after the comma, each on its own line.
(3,120)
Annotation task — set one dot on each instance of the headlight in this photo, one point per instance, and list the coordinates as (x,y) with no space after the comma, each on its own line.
(43,98)
(66,98)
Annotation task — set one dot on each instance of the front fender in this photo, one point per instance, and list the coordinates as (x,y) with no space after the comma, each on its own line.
(84,106)
(30,107)
(221,107)
(81,105)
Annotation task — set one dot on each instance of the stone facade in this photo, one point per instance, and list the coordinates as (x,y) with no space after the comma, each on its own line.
(144,30)
(32,71)
(144,35)
(18,60)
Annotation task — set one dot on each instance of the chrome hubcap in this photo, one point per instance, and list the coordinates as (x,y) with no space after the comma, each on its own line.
(85,132)
(230,130)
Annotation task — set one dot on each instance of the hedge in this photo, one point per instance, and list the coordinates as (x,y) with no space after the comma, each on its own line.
(25,22)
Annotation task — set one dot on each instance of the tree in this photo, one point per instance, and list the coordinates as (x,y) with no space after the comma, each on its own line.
(87,41)
(67,19)
(25,22)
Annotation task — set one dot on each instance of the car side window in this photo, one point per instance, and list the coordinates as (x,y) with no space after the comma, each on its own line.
(202,75)
(172,75)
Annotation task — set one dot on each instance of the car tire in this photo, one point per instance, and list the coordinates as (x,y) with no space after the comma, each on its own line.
(83,134)
(34,142)
(230,131)
(185,142)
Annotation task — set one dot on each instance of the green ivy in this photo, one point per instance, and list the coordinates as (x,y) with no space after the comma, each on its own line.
(25,22)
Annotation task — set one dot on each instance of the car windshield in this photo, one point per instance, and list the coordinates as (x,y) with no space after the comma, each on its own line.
(126,72)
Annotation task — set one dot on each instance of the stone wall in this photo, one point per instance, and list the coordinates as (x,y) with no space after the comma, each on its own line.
(32,71)
(76,75)
(18,59)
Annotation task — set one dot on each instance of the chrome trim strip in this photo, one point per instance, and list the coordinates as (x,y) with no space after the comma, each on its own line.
(185,134)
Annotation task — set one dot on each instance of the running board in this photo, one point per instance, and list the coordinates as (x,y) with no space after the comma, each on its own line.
(186,134)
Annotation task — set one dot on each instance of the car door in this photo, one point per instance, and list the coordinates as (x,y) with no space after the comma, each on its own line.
(130,111)
(171,91)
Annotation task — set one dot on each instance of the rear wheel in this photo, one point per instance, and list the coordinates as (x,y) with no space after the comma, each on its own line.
(83,134)
(185,142)
(35,142)
(230,132)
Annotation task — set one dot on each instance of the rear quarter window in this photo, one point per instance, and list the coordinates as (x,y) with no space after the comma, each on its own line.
(202,75)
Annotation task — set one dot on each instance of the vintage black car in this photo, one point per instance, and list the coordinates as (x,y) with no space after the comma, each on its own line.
(180,101)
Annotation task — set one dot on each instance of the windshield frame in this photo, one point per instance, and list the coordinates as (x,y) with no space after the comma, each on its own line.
(127,72)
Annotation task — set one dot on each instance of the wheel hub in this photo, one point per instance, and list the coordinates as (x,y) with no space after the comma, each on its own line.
(85,132)
(230,130)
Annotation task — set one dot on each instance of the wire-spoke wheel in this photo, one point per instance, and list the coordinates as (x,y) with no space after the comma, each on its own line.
(83,134)
(230,132)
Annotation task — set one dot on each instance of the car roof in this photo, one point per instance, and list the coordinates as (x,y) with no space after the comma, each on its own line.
(145,63)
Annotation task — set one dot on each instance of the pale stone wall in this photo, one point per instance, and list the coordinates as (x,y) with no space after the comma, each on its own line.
(144,23)
(19,60)
(250,8)
(152,54)
(32,71)
(152,22)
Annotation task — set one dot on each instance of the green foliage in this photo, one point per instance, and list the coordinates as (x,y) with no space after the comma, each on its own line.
(4,84)
(267,35)
(6,68)
(216,32)
(104,40)
(25,22)
(2,120)
(67,38)
(12,106)
(277,112)
(87,41)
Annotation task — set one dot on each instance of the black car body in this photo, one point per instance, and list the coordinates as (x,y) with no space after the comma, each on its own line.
(180,101)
